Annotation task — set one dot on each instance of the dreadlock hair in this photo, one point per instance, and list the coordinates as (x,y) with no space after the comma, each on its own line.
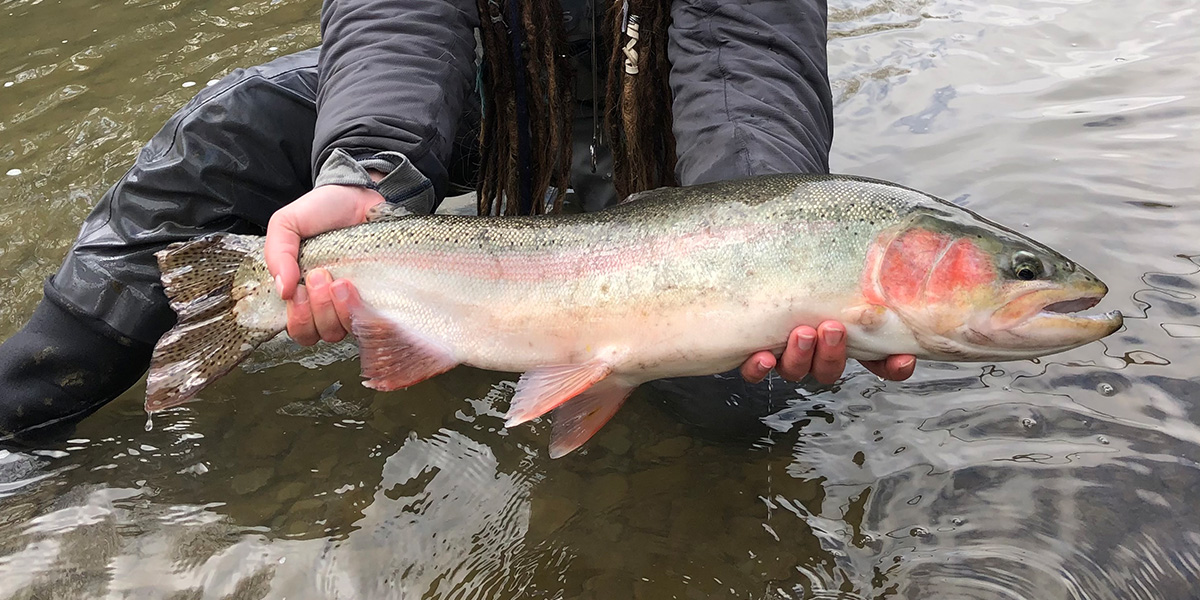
(548,82)
(637,99)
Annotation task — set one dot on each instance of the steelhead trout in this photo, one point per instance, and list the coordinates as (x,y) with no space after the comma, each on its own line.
(678,281)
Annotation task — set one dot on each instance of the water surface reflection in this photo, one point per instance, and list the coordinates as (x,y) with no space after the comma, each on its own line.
(1074,477)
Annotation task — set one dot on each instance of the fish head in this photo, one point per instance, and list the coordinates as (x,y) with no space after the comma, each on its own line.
(969,289)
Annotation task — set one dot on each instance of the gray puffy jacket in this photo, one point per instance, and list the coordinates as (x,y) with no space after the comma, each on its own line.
(750,83)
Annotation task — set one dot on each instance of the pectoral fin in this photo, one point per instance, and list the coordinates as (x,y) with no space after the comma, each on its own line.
(392,357)
(541,390)
(868,316)
(576,421)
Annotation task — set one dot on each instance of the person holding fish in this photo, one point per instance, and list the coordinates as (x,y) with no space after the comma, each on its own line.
(403,105)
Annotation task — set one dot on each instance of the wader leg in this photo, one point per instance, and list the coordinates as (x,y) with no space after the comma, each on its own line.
(60,367)
(225,162)
(724,406)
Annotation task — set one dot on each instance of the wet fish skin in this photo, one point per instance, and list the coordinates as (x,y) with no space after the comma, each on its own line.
(680,281)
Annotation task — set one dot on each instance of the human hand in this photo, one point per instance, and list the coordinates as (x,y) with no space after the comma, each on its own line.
(821,352)
(319,310)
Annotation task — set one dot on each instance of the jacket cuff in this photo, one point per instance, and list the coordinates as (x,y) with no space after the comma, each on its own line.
(403,184)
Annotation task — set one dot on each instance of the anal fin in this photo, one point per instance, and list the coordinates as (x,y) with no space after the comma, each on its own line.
(575,422)
(541,390)
(394,358)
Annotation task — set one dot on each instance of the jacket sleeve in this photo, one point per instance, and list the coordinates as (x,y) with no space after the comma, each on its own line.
(751,88)
(394,76)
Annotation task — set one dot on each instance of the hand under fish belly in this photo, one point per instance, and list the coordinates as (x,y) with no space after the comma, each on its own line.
(590,306)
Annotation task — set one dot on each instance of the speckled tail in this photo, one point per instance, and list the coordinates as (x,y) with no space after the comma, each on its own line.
(225,308)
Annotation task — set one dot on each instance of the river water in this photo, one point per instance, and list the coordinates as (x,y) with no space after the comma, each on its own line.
(1073,477)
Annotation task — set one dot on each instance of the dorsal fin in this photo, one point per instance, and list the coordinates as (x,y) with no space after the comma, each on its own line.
(386,211)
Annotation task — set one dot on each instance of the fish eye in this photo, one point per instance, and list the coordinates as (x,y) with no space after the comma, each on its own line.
(1026,266)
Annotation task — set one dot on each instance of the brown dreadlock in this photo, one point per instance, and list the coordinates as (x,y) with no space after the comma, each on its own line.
(639,98)
(548,96)
(638,102)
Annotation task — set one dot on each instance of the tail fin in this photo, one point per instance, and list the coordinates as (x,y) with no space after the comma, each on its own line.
(227,305)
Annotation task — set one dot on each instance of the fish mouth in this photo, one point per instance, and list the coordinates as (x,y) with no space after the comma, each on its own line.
(1068,310)
(1071,306)
(1053,316)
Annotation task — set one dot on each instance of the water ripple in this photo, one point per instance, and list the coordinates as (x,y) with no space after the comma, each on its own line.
(1071,477)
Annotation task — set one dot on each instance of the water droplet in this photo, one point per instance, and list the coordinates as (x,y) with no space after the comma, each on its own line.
(957,522)
(1102,440)
(188,84)
(149,421)
(13,172)
(1028,422)
(1106,389)
(1025,225)
(211,82)
(8,84)
(918,532)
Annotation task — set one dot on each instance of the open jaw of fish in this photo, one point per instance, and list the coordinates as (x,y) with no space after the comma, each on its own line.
(682,281)
(1042,322)
(1058,312)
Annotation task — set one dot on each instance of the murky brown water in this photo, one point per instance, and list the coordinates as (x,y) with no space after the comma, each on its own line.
(1074,477)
